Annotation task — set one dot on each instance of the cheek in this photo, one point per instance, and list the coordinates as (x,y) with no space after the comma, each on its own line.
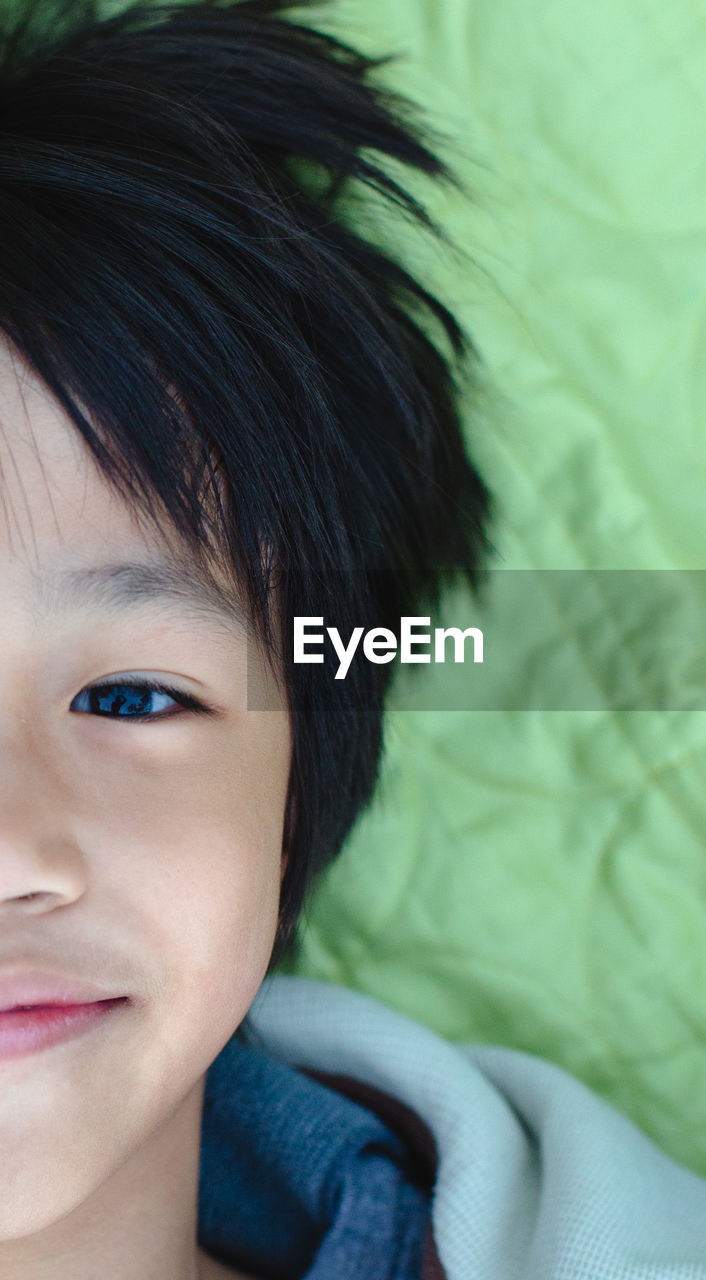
(182,832)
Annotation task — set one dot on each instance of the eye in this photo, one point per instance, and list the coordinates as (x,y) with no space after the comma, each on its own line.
(134,700)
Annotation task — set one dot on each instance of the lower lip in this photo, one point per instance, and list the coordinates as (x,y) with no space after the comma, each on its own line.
(28,1030)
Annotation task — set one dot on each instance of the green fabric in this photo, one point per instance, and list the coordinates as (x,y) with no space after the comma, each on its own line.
(537,879)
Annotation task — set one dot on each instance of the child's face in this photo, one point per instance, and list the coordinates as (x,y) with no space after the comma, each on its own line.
(154,847)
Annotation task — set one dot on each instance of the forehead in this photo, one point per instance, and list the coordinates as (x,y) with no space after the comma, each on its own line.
(66,535)
(53,494)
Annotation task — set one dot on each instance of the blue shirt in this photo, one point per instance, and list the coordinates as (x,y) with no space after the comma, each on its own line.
(299,1182)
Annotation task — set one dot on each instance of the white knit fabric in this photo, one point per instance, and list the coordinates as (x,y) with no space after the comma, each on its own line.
(538,1178)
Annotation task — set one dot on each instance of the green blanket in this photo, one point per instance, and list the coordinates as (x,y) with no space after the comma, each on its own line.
(537,878)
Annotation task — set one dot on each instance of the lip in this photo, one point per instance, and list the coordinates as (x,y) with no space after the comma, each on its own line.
(24,1031)
(35,987)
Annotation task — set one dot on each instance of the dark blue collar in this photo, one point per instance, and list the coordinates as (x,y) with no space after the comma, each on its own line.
(298,1181)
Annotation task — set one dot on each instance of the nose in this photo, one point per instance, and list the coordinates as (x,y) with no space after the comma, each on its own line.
(38,871)
(41,865)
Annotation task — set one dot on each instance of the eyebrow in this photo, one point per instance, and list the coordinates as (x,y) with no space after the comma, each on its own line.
(131,585)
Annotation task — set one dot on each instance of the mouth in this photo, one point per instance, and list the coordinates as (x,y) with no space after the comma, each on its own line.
(27,1029)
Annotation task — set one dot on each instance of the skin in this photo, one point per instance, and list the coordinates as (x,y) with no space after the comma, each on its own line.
(154,851)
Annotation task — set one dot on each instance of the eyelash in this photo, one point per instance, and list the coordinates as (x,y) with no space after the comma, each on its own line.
(185,701)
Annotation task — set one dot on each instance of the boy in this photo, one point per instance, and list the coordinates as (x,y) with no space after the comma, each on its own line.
(220,410)
(217,413)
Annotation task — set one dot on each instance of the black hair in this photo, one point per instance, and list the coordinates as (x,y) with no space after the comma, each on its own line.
(178,264)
